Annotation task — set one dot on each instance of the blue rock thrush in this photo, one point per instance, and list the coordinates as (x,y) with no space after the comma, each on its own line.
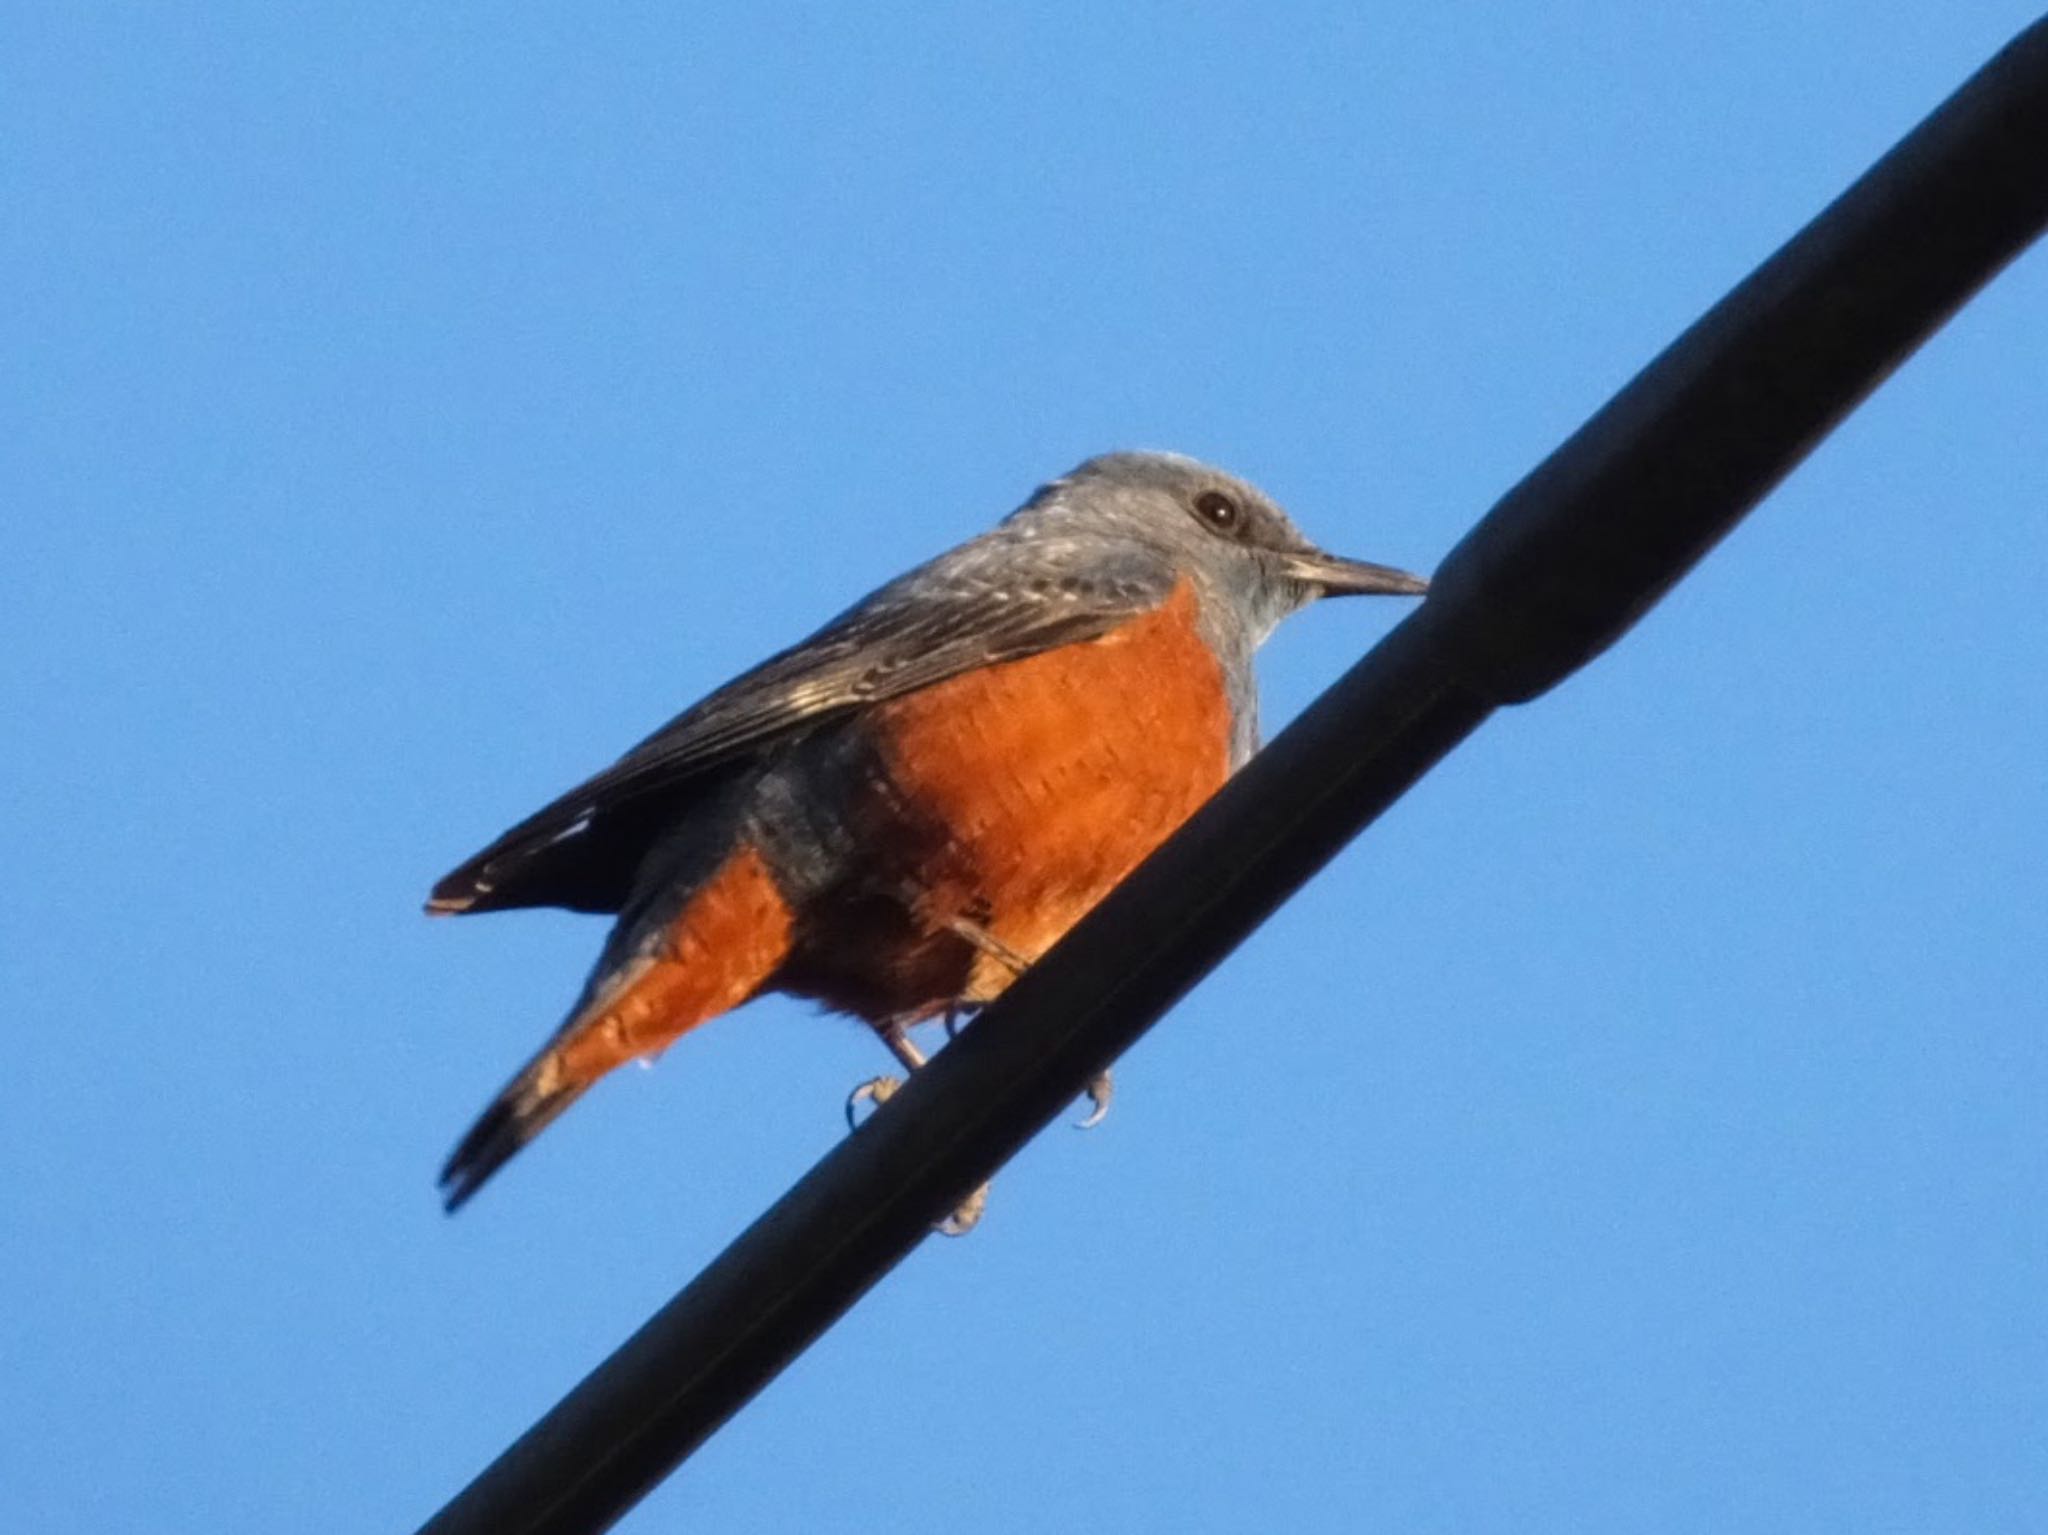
(898,814)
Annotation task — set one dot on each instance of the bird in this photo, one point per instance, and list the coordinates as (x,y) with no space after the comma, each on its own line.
(899,814)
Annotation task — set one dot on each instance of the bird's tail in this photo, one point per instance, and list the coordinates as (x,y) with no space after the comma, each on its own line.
(715,947)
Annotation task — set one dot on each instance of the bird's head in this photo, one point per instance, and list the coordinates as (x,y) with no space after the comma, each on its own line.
(1226,533)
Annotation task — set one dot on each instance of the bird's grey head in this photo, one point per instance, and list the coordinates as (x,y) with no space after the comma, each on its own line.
(1231,537)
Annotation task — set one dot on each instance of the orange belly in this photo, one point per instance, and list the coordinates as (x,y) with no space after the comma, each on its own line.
(1047,780)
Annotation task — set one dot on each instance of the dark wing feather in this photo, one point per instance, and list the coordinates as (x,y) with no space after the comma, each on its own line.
(1000,598)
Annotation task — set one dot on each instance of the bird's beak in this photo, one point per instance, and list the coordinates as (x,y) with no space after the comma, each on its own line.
(1339,577)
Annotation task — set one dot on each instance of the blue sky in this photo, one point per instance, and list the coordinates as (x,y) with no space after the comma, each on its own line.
(1641,1128)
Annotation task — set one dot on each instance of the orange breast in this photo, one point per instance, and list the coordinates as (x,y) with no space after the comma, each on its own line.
(1054,776)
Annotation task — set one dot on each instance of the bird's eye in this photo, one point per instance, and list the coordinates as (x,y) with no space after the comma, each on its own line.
(1219,511)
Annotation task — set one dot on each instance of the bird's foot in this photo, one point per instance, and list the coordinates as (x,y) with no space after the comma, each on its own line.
(1101,1088)
(964,1219)
(876,1091)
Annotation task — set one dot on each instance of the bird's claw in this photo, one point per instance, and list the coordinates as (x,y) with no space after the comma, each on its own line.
(876,1091)
(1100,1090)
(967,1216)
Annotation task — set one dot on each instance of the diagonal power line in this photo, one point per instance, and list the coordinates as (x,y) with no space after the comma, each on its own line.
(1552,575)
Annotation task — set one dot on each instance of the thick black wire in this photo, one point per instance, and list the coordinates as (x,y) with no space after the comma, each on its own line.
(1556,572)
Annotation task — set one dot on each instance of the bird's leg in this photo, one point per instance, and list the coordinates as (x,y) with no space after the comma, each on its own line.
(879,1090)
(981,938)
(1100,1087)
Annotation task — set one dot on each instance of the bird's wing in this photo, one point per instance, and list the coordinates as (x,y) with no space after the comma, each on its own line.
(996,599)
